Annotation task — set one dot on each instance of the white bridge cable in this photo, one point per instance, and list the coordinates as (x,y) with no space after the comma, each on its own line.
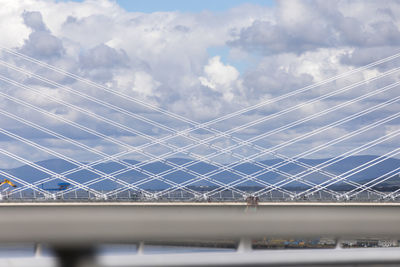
(263,171)
(349,135)
(380,62)
(354,151)
(68,159)
(262,150)
(84,166)
(85,96)
(299,163)
(45,170)
(106,157)
(336,159)
(177,167)
(176,116)
(74,142)
(89,166)
(356,170)
(198,157)
(131,148)
(332,142)
(81,165)
(342,138)
(374,182)
(226,134)
(93,99)
(25,183)
(372,64)
(393,194)
(311,101)
(228,150)
(309,134)
(99,134)
(285,111)
(125,111)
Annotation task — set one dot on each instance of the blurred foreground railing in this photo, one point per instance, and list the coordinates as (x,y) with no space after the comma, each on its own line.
(74,229)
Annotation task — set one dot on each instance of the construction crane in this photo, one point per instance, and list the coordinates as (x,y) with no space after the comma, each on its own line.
(7,182)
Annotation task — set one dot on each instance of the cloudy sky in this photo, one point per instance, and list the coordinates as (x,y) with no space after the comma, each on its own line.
(199,60)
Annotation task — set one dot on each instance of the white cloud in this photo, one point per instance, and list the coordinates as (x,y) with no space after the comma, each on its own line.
(144,84)
(220,78)
(163,57)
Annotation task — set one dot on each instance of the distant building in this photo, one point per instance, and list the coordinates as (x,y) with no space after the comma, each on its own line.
(349,243)
(367,243)
(385,243)
(324,241)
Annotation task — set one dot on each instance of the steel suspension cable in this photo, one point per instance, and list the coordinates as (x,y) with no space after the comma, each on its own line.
(198,125)
(358,169)
(339,158)
(336,77)
(304,136)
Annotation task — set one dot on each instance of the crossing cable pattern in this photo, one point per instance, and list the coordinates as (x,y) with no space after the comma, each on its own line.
(319,130)
(357,84)
(17,84)
(211,177)
(5,79)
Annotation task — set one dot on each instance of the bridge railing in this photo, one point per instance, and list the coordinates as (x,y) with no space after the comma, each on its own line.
(74,230)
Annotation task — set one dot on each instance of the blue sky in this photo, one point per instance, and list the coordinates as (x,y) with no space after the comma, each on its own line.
(186,6)
(183,5)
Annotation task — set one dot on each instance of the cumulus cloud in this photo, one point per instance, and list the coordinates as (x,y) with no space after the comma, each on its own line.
(103,56)
(34,20)
(220,78)
(302,26)
(102,61)
(163,58)
(41,43)
(144,84)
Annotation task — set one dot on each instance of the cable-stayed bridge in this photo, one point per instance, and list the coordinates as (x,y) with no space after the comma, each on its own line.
(68,141)
(103,144)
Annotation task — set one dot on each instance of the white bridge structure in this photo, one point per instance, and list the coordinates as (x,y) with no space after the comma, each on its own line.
(199,161)
(97,164)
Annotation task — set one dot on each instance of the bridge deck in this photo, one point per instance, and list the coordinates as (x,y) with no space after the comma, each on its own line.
(199,204)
